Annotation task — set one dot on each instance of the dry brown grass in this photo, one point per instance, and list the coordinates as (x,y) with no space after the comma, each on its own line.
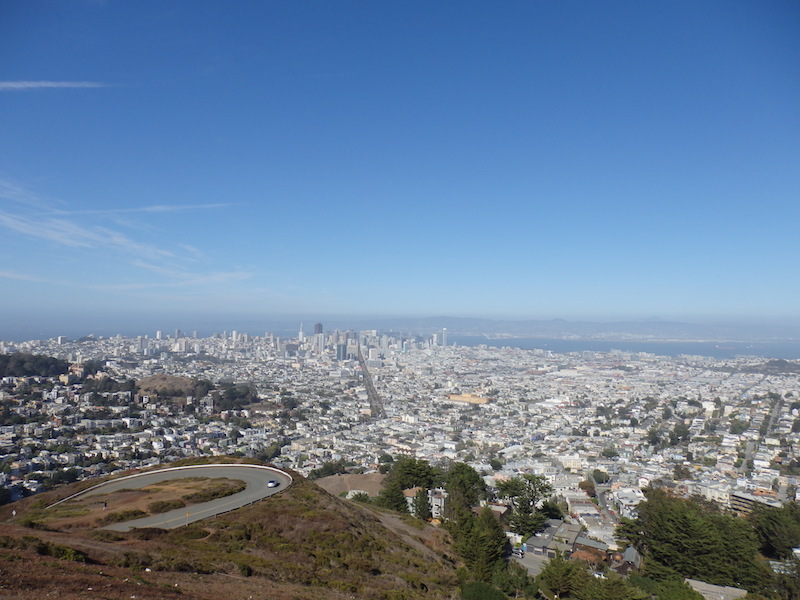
(300,544)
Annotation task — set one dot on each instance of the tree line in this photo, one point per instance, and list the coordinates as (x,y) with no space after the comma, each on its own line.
(693,538)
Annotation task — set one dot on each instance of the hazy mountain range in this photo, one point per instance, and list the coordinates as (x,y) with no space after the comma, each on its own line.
(558,328)
(289,326)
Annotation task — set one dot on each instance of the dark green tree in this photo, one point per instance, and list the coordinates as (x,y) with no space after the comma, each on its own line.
(600,477)
(609,452)
(787,581)
(479,590)
(491,543)
(392,497)
(408,472)
(679,434)
(778,529)
(654,437)
(513,579)
(550,509)
(422,508)
(464,484)
(525,493)
(588,486)
(565,578)
(327,469)
(361,497)
(683,538)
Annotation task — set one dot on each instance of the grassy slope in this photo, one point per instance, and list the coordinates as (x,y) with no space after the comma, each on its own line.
(302,543)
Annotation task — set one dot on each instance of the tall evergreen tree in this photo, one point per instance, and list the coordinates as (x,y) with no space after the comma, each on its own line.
(563,577)
(409,472)
(681,537)
(422,508)
(465,483)
(525,493)
(778,529)
(392,497)
(492,538)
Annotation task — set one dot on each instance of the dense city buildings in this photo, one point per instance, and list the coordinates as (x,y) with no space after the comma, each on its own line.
(727,430)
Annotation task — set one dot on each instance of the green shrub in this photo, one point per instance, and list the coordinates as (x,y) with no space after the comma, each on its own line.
(478,590)
(218,490)
(135,560)
(123,515)
(162,506)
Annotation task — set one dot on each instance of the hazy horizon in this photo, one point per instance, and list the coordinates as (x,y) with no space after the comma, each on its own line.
(289,325)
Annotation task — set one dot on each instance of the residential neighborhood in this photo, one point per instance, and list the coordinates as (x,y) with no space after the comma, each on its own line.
(726,430)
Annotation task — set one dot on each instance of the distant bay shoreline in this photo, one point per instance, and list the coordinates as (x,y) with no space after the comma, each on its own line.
(789,350)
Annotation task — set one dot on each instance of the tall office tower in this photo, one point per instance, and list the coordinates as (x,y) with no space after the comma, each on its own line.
(234,335)
(194,334)
(177,333)
(444,336)
(301,336)
(317,328)
(341,352)
(62,339)
(159,335)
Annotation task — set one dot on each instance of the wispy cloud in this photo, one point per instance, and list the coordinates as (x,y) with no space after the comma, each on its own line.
(21,276)
(19,86)
(75,235)
(158,208)
(15,193)
(165,264)
(184,281)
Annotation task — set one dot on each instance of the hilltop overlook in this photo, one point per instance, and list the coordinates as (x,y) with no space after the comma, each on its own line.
(302,543)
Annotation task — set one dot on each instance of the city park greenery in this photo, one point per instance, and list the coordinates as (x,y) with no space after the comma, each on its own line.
(23,364)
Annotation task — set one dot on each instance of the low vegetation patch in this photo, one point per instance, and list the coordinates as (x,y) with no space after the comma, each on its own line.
(218,489)
(162,506)
(307,537)
(34,544)
(119,517)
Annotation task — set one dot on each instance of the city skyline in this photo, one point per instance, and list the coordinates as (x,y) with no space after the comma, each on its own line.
(177,163)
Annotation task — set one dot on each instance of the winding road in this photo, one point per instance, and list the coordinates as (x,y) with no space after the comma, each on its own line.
(256,478)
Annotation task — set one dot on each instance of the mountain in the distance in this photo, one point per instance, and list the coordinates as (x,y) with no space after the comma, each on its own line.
(650,329)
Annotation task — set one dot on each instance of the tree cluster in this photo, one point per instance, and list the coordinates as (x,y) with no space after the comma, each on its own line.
(777,529)
(525,493)
(571,580)
(682,538)
(234,396)
(327,469)
(23,364)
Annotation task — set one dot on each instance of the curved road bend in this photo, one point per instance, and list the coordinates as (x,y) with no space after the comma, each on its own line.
(255,477)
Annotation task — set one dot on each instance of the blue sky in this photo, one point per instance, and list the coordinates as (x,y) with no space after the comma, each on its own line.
(577,160)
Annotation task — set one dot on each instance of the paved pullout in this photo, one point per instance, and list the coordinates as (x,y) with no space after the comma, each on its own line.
(255,477)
